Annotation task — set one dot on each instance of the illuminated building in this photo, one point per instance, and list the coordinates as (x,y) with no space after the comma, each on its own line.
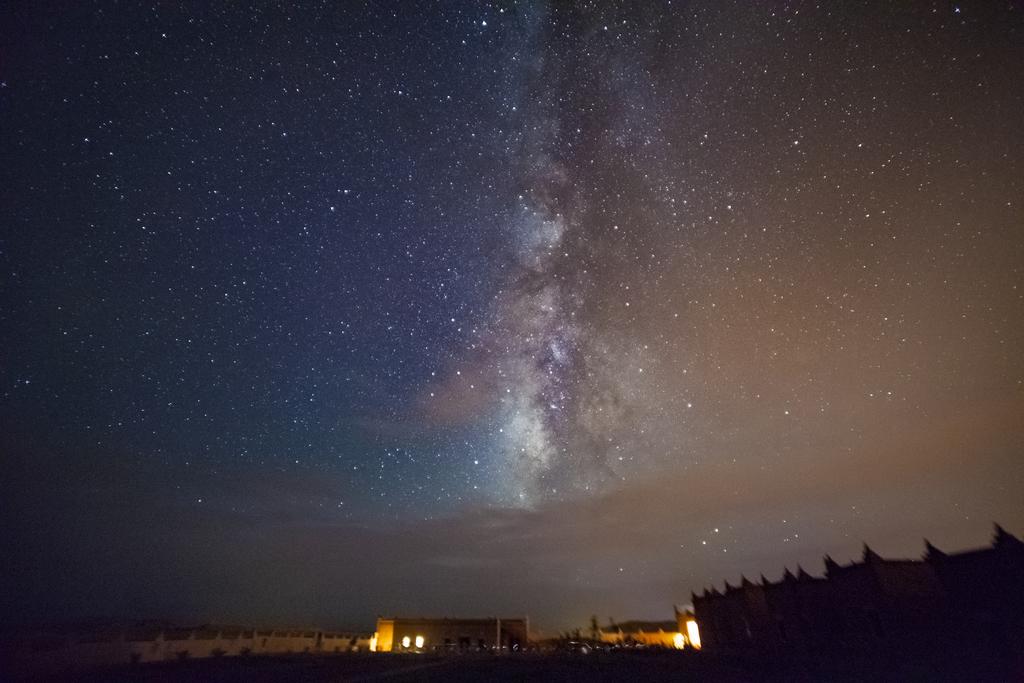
(400,634)
(904,605)
(647,633)
(686,623)
(693,634)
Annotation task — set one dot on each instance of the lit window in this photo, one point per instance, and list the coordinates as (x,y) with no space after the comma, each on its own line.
(419,642)
(679,641)
(406,642)
(693,633)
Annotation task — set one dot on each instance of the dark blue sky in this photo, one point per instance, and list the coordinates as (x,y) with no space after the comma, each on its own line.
(243,232)
(319,310)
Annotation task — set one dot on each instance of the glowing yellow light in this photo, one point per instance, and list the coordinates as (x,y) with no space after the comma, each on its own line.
(693,633)
(373,643)
(679,641)
(406,641)
(419,642)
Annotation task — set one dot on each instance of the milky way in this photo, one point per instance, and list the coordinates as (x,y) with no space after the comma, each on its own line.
(569,412)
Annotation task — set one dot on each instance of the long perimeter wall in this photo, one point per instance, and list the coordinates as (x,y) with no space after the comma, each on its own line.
(43,654)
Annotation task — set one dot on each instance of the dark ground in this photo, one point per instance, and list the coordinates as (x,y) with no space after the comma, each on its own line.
(640,666)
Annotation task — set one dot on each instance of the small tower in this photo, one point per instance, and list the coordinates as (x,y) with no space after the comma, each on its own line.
(869,556)
(931,553)
(1003,539)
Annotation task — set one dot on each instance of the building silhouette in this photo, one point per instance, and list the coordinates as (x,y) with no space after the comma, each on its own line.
(971,600)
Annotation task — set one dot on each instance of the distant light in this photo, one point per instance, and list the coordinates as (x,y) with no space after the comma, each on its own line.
(419,642)
(373,643)
(693,634)
(679,641)
(406,642)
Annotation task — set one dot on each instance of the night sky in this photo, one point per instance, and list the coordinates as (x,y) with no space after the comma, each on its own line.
(315,312)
